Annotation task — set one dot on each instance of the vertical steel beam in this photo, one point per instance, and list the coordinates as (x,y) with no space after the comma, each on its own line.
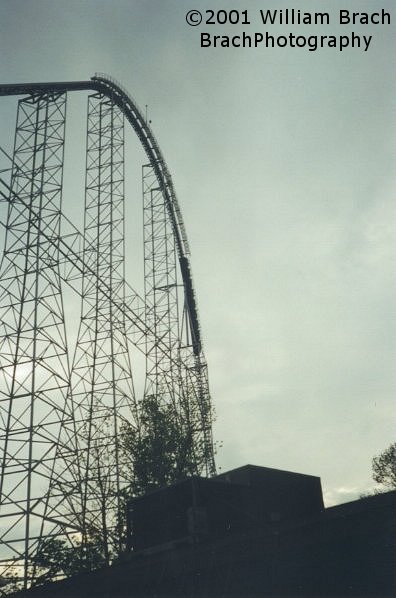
(62,473)
(101,378)
(34,368)
(161,291)
(176,371)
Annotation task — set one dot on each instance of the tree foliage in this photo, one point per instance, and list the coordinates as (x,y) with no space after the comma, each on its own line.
(162,451)
(384,467)
(57,558)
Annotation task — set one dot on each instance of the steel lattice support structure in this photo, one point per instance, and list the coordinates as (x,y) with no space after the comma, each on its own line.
(175,375)
(101,377)
(62,402)
(34,371)
(161,290)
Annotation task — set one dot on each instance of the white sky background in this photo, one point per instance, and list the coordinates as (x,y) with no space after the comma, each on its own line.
(284,165)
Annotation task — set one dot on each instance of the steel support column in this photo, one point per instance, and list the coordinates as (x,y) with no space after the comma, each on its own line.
(101,378)
(34,369)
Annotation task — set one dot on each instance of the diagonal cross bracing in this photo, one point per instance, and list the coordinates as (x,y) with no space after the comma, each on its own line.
(34,368)
(80,408)
(101,376)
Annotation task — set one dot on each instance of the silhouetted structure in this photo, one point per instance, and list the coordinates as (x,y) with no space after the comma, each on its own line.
(239,501)
(64,400)
(250,532)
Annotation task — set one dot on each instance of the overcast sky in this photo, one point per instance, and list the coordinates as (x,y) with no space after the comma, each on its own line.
(284,165)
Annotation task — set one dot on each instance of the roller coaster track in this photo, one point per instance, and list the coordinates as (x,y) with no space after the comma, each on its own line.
(59,423)
(113,90)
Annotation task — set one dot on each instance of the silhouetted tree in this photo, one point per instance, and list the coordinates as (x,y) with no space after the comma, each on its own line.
(384,467)
(57,558)
(162,451)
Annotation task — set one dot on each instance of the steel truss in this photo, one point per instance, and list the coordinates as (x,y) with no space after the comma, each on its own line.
(161,289)
(62,404)
(34,372)
(101,377)
(177,375)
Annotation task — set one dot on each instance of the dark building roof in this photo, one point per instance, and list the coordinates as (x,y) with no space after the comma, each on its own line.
(242,500)
(253,531)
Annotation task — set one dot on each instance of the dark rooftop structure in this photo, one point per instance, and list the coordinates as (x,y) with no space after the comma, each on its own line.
(240,501)
(252,531)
